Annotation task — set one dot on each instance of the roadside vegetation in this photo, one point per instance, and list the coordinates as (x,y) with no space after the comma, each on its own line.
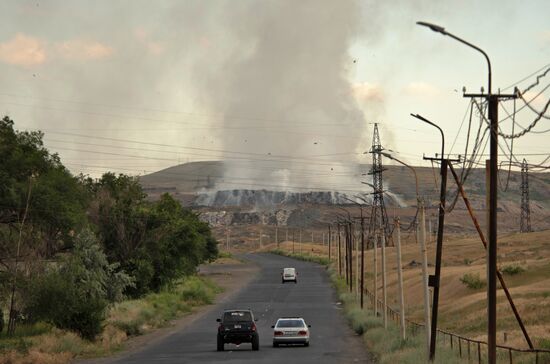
(86,262)
(385,344)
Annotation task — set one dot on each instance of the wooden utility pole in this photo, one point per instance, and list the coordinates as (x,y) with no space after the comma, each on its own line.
(400,280)
(277,236)
(384,288)
(362,257)
(424,255)
(375,268)
(339,251)
(329,244)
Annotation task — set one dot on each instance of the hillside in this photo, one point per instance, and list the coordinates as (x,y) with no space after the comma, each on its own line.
(190,178)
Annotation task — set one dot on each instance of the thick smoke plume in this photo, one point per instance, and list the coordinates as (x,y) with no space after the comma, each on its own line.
(285,85)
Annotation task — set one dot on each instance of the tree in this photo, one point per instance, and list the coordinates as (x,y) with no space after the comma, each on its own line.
(75,293)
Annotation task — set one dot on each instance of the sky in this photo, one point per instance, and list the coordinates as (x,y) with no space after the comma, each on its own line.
(284,91)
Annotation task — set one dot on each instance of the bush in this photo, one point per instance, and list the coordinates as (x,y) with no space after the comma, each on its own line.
(57,299)
(512,270)
(74,294)
(197,291)
(473,281)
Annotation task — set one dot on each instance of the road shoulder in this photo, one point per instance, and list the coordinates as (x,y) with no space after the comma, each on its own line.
(230,274)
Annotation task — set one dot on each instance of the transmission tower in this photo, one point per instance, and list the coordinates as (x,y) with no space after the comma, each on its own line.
(379,217)
(525,221)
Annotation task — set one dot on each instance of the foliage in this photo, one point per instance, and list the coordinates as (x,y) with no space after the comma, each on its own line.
(75,294)
(473,281)
(156,309)
(67,278)
(512,270)
(302,256)
(154,242)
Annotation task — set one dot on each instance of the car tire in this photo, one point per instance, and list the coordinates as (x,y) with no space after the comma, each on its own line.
(306,344)
(275,345)
(220,344)
(295,281)
(283,281)
(256,343)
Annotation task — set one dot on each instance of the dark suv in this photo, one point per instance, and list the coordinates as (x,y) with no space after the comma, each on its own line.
(236,327)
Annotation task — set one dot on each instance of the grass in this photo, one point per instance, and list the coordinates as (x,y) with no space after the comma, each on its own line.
(473,281)
(42,343)
(385,343)
(512,270)
(302,256)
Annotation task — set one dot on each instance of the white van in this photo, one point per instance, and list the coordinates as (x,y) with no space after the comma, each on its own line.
(289,275)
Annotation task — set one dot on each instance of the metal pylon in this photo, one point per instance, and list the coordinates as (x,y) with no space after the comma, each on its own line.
(379,216)
(525,221)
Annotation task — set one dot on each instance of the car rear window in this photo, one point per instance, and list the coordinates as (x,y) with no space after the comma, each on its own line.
(290,323)
(235,316)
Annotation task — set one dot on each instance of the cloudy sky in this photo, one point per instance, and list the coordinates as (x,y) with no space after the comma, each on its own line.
(137,86)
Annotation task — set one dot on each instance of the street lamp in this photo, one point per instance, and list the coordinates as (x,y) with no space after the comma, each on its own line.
(420,117)
(492,250)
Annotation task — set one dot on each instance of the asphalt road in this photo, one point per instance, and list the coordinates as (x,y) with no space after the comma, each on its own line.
(331,340)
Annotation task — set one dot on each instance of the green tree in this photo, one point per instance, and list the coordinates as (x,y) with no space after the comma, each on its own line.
(75,293)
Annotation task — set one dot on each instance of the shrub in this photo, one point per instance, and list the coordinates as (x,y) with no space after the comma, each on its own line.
(512,270)
(74,294)
(473,281)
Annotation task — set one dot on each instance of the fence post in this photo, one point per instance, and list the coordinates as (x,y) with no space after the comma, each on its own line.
(510,355)
(469,350)
(459,347)
(479,352)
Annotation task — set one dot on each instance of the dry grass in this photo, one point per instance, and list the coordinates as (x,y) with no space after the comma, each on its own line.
(463,310)
(46,345)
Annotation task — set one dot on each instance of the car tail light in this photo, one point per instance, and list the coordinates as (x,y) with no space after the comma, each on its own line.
(278,333)
(302,333)
(253,327)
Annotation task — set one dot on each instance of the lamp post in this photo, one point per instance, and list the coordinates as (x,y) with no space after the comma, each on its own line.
(435,279)
(492,251)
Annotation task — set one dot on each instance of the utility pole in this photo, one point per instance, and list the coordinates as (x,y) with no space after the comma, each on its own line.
(400,280)
(493,100)
(277,236)
(329,244)
(424,255)
(350,256)
(311,236)
(525,221)
(300,244)
(260,238)
(339,251)
(286,234)
(384,291)
(434,280)
(362,257)
(356,243)
(375,268)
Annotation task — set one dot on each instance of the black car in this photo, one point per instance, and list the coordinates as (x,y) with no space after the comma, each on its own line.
(236,327)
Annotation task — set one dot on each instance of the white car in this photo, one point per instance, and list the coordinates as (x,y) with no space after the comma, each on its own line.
(289,275)
(290,330)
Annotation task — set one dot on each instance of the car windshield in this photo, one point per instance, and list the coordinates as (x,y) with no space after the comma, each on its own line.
(236,316)
(290,323)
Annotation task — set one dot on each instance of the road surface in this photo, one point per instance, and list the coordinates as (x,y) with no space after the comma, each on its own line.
(313,298)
